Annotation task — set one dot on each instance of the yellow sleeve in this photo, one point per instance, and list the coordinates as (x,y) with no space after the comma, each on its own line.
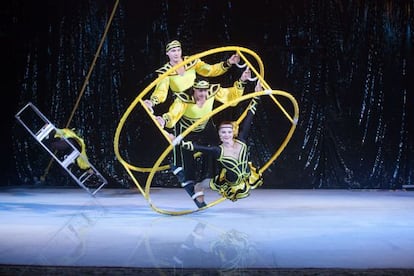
(160,92)
(226,95)
(175,112)
(208,70)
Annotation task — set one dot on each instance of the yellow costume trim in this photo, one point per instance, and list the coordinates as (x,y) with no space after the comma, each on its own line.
(190,112)
(231,192)
(233,182)
(202,84)
(180,83)
(172,44)
(255,178)
(292,116)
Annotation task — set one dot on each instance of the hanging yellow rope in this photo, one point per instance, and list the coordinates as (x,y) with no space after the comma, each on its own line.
(85,83)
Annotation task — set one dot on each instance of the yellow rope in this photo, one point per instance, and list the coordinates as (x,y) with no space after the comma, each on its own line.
(85,83)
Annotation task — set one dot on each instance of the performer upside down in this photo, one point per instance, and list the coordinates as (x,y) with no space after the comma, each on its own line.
(237,176)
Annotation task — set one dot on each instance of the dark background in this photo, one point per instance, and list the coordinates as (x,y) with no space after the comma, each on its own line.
(349,64)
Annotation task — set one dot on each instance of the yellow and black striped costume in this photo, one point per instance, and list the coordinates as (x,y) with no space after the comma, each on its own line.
(236,175)
(184,112)
(180,83)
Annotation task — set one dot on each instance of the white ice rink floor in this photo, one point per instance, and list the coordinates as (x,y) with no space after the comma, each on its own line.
(358,229)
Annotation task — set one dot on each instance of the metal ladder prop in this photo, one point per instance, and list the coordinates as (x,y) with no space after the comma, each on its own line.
(43,131)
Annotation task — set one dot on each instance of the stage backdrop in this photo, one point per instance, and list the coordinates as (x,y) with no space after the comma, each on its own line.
(349,64)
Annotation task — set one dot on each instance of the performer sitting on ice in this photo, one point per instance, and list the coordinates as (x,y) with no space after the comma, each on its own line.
(236,173)
(186,110)
(183,78)
(58,143)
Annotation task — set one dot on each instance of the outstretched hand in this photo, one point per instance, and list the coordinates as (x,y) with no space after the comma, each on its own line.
(235,58)
(160,121)
(148,104)
(171,136)
(258,87)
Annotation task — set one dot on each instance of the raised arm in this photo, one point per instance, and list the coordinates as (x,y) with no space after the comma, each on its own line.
(214,70)
(225,95)
(247,122)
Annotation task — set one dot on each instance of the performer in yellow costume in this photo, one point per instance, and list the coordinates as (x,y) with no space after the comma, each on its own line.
(185,111)
(183,78)
(236,173)
(58,143)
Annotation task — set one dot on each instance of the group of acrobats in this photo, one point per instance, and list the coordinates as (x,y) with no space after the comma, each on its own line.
(224,164)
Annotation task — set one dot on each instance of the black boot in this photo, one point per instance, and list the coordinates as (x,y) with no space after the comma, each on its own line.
(200,204)
(189,188)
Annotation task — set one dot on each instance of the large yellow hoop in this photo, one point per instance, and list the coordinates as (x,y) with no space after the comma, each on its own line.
(158,164)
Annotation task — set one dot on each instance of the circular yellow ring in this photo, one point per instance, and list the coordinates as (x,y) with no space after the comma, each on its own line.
(271,94)
(138,99)
(158,167)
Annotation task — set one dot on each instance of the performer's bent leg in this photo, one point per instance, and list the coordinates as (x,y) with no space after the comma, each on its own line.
(189,172)
(178,171)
